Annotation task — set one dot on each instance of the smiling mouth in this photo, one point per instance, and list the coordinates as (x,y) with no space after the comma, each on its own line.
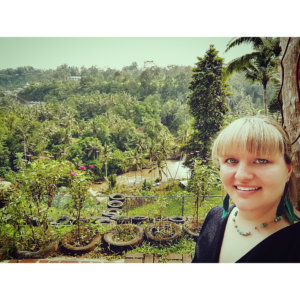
(241,188)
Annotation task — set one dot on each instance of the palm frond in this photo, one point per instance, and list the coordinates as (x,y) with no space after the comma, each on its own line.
(240,63)
(255,41)
(272,45)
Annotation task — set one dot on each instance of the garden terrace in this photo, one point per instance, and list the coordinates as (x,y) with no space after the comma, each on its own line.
(139,211)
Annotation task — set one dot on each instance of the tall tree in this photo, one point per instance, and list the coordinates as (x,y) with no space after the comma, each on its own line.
(260,65)
(289,97)
(207,104)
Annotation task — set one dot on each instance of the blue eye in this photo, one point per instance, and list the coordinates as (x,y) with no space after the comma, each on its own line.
(261,161)
(231,161)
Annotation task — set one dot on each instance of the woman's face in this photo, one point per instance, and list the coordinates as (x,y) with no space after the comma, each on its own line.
(254,182)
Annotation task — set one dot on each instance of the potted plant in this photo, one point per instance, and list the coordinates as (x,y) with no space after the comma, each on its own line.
(124,236)
(83,237)
(203,181)
(163,231)
(26,215)
(29,240)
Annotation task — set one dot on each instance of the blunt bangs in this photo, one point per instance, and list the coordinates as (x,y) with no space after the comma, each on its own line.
(249,134)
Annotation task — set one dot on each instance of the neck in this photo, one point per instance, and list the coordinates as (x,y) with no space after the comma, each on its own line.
(258,216)
(253,226)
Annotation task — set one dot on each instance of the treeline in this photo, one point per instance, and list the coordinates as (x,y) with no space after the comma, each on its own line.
(114,120)
(113,132)
(170,82)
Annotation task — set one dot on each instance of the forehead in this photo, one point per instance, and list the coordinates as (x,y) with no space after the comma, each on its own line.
(248,148)
(252,146)
(249,137)
(275,155)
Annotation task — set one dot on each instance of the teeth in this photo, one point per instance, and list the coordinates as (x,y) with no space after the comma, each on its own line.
(247,189)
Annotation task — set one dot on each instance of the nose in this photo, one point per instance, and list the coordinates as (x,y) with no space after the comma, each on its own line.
(243,172)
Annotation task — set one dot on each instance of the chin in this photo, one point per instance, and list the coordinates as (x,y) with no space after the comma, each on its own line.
(245,204)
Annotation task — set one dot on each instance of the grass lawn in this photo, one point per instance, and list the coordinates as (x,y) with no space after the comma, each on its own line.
(173,207)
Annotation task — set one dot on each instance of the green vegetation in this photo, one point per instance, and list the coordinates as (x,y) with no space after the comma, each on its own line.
(174,207)
(260,65)
(184,245)
(58,135)
(114,121)
(207,105)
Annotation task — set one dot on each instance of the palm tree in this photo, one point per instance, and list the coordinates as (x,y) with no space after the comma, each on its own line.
(137,160)
(260,65)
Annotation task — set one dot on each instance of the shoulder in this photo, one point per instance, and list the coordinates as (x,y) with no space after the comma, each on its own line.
(214,219)
(217,212)
(209,241)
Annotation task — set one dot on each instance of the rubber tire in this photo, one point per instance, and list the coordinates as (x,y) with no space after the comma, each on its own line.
(177,219)
(159,219)
(121,246)
(114,210)
(118,197)
(138,219)
(153,238)
(190,232)
(121,219)
(104,221)
(71,250)
(110,214)
(115,204)
(42,253)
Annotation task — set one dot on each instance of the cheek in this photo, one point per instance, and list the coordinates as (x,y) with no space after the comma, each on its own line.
(226,176)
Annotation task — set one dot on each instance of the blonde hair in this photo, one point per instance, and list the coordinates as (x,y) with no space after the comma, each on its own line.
(259,135)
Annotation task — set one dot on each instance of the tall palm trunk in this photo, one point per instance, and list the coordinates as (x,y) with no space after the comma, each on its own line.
(265,99)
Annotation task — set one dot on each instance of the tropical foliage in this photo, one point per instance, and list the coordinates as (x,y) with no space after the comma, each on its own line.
(261,65)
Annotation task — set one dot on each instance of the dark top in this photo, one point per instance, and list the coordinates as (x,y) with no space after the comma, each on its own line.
(282,246)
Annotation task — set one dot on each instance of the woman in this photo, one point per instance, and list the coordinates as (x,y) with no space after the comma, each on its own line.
(254,156)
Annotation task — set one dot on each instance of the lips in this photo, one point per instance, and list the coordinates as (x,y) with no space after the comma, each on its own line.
(247,189)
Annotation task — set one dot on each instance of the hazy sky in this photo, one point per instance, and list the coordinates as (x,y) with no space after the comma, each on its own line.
(113,52)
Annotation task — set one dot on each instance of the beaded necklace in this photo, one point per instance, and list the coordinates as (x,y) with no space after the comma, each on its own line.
(247,233)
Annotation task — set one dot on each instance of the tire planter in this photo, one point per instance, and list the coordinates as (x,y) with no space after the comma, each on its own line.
(177,219)
(138,219)
(158,219)
(118,197)
(111,212)
(120,245)
(191,232)
(114,211)
(72,250)
(121,219)
(152,228)
(104,221)
(42,253)
(109,215)
(115,204)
